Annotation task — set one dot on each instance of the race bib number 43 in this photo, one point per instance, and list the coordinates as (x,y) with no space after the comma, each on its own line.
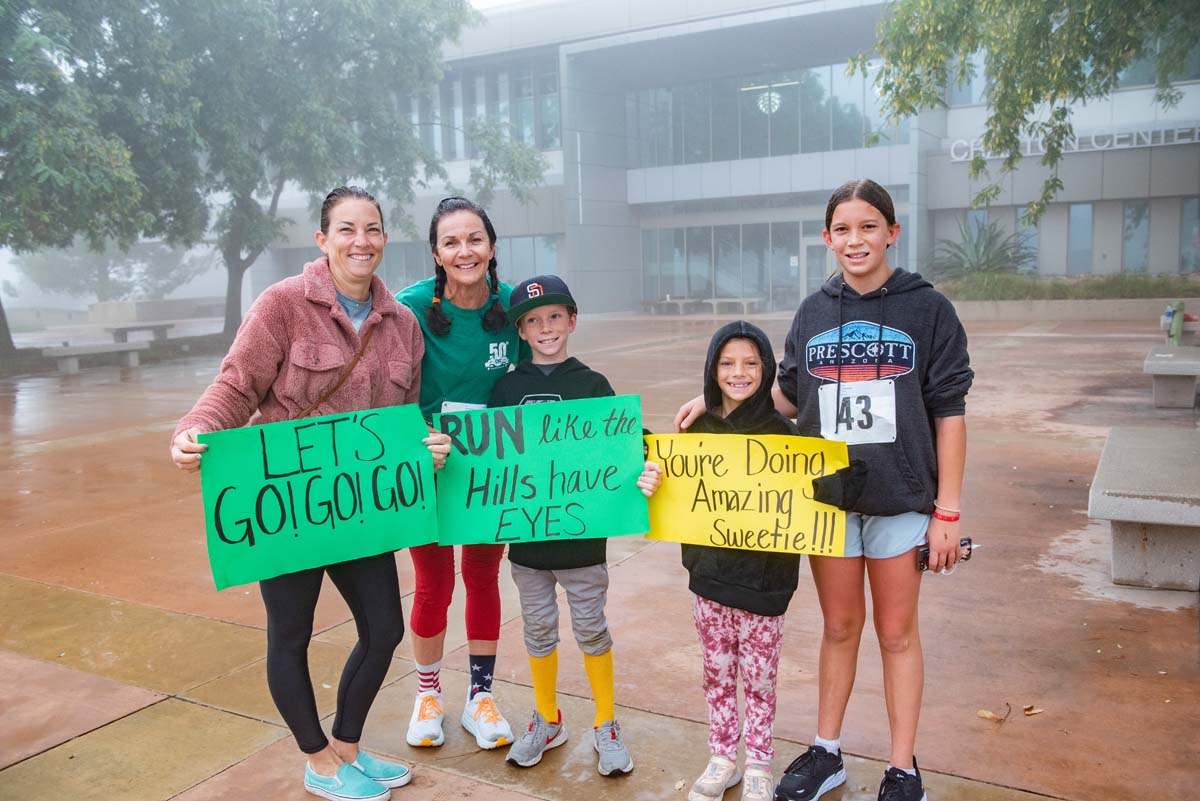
(864,414)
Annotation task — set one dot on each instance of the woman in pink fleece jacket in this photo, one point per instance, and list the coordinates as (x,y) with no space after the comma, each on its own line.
(295,343)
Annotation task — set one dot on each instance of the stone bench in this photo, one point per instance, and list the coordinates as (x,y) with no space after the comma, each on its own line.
(745,304)
(1148,486)
(676,305)
(120,333)
(1174,371)
(67,356)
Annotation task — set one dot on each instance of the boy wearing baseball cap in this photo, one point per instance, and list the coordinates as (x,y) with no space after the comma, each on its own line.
(544,313)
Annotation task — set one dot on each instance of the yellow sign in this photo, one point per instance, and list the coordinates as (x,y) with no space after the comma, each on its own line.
(749,492)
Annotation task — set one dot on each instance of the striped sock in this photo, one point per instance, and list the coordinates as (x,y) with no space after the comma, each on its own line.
(429,677)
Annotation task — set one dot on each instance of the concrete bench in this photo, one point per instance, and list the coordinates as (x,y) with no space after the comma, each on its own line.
(67,356)
(1148,486)
(676,305)
(745,304)
(1174,371)
(120,333)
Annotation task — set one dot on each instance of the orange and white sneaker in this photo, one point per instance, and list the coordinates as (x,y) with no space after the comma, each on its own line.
(482,719)
(425,727)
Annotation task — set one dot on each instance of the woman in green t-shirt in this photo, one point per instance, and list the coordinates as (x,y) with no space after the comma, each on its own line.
(469,344)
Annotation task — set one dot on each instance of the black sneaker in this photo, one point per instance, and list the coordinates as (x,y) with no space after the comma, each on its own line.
(899,786)
(811,775)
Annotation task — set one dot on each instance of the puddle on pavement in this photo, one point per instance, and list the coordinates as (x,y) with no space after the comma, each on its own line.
(1085,557)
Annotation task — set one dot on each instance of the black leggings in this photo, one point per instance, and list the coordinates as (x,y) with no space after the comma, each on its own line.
(372,592)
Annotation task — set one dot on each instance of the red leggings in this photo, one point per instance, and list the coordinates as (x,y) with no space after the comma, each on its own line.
(434,567)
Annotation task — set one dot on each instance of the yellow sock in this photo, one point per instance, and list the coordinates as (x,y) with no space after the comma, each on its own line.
(600,676)
(545,684)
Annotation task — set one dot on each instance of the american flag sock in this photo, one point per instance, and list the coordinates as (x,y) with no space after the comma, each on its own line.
(482,668)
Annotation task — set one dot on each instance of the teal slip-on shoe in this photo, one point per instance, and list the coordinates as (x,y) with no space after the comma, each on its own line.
(389,774)
(348,785)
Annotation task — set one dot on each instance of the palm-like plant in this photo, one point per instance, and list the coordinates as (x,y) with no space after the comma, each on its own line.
(980,249)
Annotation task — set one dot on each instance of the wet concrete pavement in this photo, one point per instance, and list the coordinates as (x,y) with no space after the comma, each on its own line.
(128,677)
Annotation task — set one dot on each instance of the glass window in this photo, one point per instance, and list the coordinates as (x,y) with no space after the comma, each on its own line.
(699,262)
(659,127)
(522,103)
(785,114)
(427,124)
(504,263)
(1189,236)
(545,255)
(650,266)
(671,248)
(1079,239)
(728,278)
(973,90)
(977,220)
(756,245)
(847,109)
(497,99)
(549,125)
(814,110)
(756,101)
(723,99)
(452,119)
(521,263)
(874,120)
(817,267)
(812,228)
(1029,237)
(696,137)
(785,265)
(1135,237)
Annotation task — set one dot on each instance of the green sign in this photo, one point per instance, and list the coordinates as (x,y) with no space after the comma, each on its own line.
(307,493)
(543,472)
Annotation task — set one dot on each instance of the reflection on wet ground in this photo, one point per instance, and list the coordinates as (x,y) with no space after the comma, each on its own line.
(129,676)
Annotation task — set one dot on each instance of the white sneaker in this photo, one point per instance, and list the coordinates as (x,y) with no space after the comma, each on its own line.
(425,727)
(719,775)
(482,719)
(757,784)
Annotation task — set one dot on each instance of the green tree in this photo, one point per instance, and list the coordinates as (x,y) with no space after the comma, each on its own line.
(215,107)
(1041,57)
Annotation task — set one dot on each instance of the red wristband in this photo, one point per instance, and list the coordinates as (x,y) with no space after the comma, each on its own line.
(938,514)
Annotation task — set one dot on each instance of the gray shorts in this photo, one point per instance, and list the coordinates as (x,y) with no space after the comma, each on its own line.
(587,591)
(879,537)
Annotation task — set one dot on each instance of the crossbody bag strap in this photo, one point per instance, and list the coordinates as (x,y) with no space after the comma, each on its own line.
(341,380)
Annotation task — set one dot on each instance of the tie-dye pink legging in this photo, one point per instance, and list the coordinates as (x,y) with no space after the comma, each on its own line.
(734,641)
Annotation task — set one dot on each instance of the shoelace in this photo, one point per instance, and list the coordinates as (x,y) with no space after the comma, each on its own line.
(892,788)
(803,764)
(611,743)
(430,708)
(713,770)
(757,784)
(486,709)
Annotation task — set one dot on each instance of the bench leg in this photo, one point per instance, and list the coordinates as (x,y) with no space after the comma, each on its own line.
(129,358)
(1174,391)
(1157,556)
(68,365)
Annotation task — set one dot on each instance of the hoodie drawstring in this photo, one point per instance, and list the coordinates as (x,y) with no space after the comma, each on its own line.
(879,342)
(837,403)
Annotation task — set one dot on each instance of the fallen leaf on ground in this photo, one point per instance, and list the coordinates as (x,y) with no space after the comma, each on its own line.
(679,784)
(1031,710)
(988,714)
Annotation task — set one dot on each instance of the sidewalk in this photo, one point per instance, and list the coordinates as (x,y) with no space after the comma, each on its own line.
(128,677)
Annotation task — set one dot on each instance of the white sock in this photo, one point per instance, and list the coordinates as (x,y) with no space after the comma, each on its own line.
(832,746)
(909,771)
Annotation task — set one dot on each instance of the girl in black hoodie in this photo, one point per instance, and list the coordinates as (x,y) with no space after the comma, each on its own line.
(739,597)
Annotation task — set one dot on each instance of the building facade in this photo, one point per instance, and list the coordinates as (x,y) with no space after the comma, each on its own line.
(693,145)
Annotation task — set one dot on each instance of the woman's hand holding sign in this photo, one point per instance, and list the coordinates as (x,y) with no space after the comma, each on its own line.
(185,450)
(439,447)
(650,479)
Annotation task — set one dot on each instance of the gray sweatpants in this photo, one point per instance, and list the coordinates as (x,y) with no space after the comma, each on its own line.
(587,591)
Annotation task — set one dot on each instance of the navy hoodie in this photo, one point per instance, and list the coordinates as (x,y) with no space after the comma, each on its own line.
(759,582)
(905,331)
